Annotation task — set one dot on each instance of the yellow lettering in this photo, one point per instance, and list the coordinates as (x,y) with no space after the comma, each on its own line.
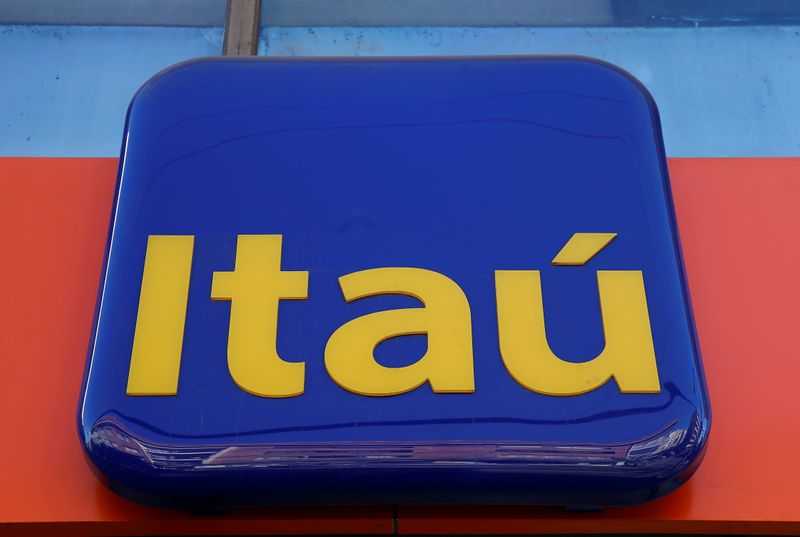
(158,336)
(628,356)
(254,289)
(445,319)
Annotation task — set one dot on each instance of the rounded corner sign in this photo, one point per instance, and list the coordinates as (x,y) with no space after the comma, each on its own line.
(394,281)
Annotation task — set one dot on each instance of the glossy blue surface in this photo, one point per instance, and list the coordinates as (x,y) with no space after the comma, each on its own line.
(462,166)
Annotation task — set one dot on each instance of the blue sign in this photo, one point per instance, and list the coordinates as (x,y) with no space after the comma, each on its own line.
(344,281)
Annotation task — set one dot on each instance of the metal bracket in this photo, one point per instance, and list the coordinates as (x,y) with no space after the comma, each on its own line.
(241,28)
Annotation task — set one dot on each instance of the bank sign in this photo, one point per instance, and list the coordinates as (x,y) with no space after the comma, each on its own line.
(346,281)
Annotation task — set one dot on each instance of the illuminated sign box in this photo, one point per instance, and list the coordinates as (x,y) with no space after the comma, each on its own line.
(394,281)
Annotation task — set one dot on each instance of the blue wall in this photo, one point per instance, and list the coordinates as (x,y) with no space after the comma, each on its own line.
(722,91)
(64,90)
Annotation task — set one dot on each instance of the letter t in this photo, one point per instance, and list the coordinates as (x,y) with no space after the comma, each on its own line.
(254,289)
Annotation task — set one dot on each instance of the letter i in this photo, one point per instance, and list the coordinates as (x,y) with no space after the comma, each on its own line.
(158,337)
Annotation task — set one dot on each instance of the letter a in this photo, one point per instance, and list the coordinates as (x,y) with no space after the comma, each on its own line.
(445,319)
(254,289)
(628,355)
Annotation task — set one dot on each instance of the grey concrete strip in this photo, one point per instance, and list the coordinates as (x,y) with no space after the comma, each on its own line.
(114,12)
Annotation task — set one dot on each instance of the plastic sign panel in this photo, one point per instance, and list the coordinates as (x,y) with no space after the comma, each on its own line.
(352,281)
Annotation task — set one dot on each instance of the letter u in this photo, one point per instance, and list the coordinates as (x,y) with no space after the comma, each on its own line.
(628,355)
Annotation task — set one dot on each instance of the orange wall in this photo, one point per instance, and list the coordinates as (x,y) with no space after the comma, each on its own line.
(739,221)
